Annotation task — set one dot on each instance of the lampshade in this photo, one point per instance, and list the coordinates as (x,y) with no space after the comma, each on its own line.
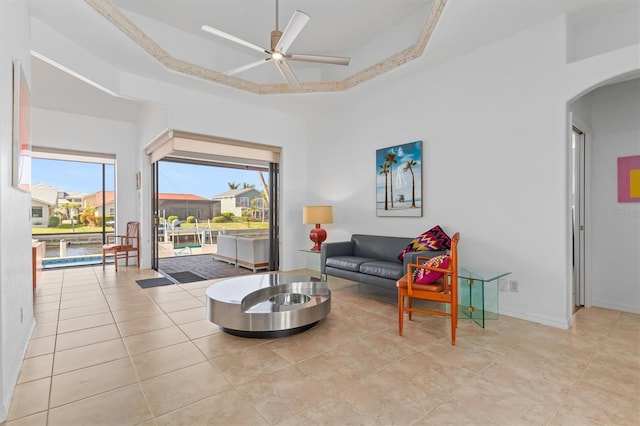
(317,214)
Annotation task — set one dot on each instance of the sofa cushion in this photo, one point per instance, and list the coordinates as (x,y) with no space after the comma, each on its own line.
(425,276)
(433,239)
(378,247)
(349,263)
(380,268)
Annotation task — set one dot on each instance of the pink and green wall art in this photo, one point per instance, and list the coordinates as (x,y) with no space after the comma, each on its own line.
(629,179)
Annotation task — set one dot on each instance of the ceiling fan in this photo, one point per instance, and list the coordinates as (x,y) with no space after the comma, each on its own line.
(278,53)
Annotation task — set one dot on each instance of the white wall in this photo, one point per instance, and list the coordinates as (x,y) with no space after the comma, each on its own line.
(55,129)
(613,269)
(493,162)
(248,121)
(152,121)
(16,297)
(495,158)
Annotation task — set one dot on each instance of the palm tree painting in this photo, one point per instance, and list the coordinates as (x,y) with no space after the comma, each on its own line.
(399,180)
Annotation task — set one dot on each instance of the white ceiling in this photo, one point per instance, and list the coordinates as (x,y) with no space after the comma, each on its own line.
(366,30)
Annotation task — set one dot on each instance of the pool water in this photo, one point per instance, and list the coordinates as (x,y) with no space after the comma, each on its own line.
(75,250)
(65,262)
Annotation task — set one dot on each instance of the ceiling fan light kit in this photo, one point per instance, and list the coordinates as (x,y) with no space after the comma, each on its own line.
(280,43)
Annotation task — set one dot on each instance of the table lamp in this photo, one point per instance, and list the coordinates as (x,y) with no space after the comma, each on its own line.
(317,215)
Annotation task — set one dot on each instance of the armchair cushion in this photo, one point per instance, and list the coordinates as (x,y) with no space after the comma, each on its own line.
(426,276)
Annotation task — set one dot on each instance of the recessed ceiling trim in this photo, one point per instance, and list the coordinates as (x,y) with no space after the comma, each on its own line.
(107,9)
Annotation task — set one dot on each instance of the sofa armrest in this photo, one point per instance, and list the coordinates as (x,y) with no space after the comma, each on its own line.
(412,256)
(340,248)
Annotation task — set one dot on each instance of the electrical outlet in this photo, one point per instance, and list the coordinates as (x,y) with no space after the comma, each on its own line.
(514,286)
(503,284)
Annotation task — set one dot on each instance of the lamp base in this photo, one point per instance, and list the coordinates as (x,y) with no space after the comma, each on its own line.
(317,235)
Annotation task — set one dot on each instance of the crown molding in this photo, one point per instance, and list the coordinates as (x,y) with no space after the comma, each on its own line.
(107,9)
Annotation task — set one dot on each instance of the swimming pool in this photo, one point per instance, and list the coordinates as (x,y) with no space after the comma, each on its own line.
(65,262)
(74,249)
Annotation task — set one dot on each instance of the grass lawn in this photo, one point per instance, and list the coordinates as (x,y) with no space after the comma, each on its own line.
(68,229)
(228,225)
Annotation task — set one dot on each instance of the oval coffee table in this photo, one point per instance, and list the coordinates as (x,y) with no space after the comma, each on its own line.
(268,305)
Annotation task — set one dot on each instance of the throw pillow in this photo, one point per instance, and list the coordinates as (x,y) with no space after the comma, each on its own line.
(434,239)
(424,276)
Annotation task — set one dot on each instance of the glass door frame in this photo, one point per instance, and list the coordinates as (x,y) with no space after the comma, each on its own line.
(273,191)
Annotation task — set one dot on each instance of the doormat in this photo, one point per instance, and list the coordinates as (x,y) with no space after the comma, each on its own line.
(186,277)
(154,282)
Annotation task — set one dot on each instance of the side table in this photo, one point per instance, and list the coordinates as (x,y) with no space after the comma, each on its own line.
(478,294)
(313,259)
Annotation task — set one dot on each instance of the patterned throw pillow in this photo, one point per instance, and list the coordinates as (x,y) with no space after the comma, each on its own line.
(434,239)
(423,276)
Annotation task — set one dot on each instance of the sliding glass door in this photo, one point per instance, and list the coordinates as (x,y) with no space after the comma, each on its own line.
(72,205)
(196,202)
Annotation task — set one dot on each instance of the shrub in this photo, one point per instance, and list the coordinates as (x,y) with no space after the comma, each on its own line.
(225,217)
(191,219)
(88,219)
(170,219)
(54,221)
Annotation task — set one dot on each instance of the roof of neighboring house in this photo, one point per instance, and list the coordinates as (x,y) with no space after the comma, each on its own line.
(108,196)
(73,195)
(234,193)
(39,200)
(180,197)
(44,193)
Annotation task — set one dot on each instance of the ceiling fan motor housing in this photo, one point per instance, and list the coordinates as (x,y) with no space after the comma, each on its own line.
(275,38)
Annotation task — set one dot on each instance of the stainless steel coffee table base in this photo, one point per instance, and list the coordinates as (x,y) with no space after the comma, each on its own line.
(268,305)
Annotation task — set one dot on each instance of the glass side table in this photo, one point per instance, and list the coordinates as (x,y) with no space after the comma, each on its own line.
(478,294)
(313,260)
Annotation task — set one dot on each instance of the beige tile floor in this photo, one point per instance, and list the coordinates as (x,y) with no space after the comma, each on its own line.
(105,351)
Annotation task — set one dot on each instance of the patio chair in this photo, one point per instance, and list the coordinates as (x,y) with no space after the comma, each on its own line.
(123,246)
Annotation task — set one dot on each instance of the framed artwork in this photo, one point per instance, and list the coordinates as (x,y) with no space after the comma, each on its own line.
(629,179)
(21,130)
(399,180)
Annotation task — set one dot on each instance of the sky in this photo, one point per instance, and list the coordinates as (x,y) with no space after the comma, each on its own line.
(205,181)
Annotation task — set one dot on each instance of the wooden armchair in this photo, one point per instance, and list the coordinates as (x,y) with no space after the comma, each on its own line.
(444,290)
(123,246)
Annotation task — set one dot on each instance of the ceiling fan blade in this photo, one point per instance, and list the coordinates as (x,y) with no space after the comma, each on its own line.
(334,60)
(288,74)
(248,66)
(235,39)
(295,25)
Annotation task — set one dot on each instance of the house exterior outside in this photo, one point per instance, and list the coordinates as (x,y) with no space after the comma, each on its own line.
(95,200)
(44,199)
(185,205)
(238,201)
